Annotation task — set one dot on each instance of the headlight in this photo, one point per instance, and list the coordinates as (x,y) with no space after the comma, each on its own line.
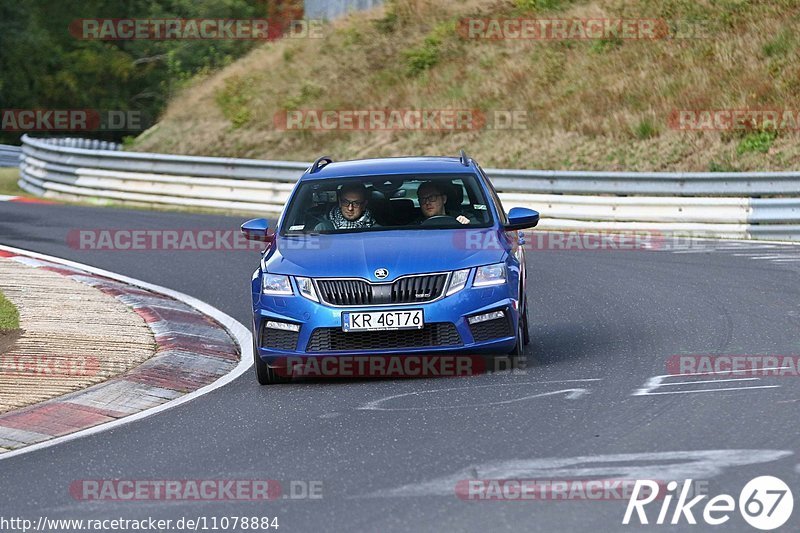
(457,281)
(490,275)
(306,287)
(275,284)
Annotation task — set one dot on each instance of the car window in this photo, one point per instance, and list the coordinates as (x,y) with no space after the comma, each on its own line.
(391,202)
(495,198)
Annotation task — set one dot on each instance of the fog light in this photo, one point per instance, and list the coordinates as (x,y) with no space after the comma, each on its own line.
(483,318)
(283,325)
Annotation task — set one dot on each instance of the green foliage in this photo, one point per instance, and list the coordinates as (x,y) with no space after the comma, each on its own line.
(8,182)
(540,5)
(724,166)
(428,54)
(352,37)
(308,92)
(779,46)
(601,46)
(423,57)
(645,129)
(44,66)
(9,316)
(388,23)
(233,100)
(757,141)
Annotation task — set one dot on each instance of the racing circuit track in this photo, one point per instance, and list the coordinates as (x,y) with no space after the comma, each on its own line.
(604,325)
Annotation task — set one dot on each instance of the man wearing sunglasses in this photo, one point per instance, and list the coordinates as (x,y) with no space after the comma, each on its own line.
(432,199)
(352,212)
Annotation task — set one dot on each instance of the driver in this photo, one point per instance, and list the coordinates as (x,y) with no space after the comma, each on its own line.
(352,212)
(432,199)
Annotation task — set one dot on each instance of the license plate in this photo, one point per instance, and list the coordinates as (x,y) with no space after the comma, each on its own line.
(383,320)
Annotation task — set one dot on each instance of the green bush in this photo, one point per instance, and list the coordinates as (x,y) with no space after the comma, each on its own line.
(9,316)
(645,129)
(423,57)
(233,100)
(539,5)
(757,141)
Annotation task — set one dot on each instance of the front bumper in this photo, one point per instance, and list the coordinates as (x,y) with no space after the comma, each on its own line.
(453,334)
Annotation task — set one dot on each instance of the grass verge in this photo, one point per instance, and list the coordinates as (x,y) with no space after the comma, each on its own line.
(9,316)
(8,182)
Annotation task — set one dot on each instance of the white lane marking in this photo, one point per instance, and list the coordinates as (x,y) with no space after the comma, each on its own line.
(240,334)
(690,251)
(691,464)
(656,382)
(6,198)
(693,391)
(733,371)
(571,394)
(673,383)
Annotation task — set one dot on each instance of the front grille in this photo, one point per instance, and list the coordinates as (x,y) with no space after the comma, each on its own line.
(278,338)
(418,289)
(336,340)
(407,290)
(491,329)
(346,291)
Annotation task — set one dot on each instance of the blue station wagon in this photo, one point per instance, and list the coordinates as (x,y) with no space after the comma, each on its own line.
(392,256)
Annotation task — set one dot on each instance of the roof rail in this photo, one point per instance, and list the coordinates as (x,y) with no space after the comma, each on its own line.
(319,163)
(464,158)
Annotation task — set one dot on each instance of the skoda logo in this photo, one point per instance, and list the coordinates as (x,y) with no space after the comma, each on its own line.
(381,273)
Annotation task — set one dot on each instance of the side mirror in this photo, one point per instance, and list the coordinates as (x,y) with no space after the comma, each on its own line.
(256,230)
(521,218)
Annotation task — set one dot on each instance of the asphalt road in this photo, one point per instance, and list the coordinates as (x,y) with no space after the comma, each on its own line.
(604,324)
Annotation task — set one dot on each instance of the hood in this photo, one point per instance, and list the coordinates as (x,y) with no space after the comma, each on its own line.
(401,252)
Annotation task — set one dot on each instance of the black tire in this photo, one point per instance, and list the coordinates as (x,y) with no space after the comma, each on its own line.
(264,374)
(518,350)
(526,333)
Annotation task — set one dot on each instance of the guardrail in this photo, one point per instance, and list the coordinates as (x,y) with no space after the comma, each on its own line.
(9,155)
(739,205)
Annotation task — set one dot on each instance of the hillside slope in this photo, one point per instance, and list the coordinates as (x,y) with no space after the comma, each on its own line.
(605,104)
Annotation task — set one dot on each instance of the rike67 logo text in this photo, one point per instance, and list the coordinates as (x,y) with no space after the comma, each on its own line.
(765,503)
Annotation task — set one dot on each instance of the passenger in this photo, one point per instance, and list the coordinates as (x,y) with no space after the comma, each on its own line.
(352,212)
(432,199)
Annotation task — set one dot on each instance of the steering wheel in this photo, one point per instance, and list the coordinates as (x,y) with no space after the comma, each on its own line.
(439,220)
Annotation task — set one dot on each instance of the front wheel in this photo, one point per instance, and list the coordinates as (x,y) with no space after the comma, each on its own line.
(518,350)
(526,333)
(264,374)
(523,335)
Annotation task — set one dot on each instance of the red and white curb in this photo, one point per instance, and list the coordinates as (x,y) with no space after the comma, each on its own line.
(196,353)
(24,200)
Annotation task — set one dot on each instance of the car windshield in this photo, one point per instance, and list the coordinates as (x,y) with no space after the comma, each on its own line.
(380,203)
